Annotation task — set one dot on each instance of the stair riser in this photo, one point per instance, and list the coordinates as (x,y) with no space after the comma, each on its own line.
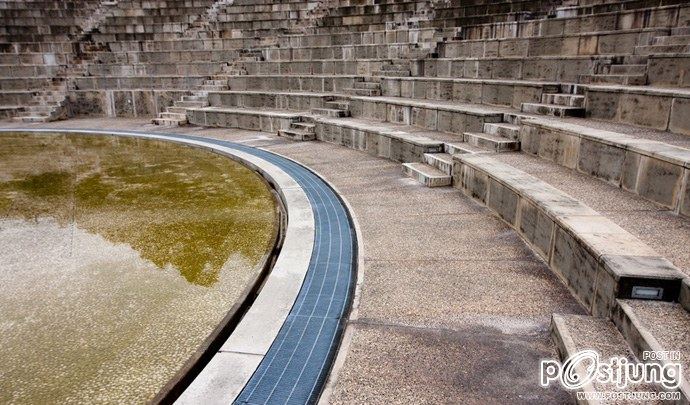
(628,69)
(672,40)
(445,167)
(302,126)
(568,100)
(367,85)
(330,113)
(364,92)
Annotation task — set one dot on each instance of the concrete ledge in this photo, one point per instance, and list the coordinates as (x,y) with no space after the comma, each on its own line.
(296,101)
(685,294)
(437,116)
(598,260)
(662,109)
(654,170)
(257,120)
(376,140)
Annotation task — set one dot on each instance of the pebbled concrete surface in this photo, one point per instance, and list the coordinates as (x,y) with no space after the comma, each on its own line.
(453,307)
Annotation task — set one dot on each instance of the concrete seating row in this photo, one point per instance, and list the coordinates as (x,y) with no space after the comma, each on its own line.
(654,170)
(599,261)
(154,69)
(138,82)
(658,14)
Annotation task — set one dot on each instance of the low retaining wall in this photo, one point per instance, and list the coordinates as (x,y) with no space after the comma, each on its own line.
(478,91)
(381,142)
(665,110)
(261,99)
(656,171)
(256,120)
(434,117)
(121,103)
(597,260)
(323,84)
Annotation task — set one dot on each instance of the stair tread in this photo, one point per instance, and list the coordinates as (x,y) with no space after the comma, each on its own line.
(465,146)
(445,157)
(427,170)
(601,197)
(668,322)
(564,107)
(494,138)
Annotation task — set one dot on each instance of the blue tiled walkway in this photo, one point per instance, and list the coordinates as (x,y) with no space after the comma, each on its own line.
(295,368)
(297,364)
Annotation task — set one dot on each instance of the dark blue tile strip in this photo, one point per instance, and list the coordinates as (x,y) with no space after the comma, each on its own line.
(296,366)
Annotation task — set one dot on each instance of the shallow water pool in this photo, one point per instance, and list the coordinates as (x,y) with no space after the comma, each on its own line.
(119,257)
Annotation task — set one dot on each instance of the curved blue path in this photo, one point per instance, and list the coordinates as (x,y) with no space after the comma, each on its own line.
(296,366)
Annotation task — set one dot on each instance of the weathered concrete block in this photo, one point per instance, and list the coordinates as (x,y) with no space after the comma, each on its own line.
(503,201)
(601,160)
(536,227)
(659,181)
(680,115)
(575,264)
(602,105)
(645,110)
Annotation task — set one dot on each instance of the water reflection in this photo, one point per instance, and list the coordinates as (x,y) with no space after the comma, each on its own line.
(119,257)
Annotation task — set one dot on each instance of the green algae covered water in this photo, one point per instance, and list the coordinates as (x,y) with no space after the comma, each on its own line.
(118,258)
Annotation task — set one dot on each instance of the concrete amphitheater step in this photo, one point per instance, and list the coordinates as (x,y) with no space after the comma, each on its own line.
(440,161)
(662,49)
(665,232)
(672,40)
(656,171)
(568,100)
(622,79)
(33,118)
(552,110)
(502,129)
(628,69)
(492,142)
(297,135)
(598,260)
(426,174)
(657,327)
(454,148)
(363,92)
(330,112)
(575,333)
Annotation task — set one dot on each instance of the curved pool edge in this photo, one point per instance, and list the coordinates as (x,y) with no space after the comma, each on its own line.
(238,372)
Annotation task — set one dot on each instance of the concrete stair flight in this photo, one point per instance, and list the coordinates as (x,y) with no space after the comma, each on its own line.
(303,130)
(333,109)
(497,137)
(365,86)
(177,114)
